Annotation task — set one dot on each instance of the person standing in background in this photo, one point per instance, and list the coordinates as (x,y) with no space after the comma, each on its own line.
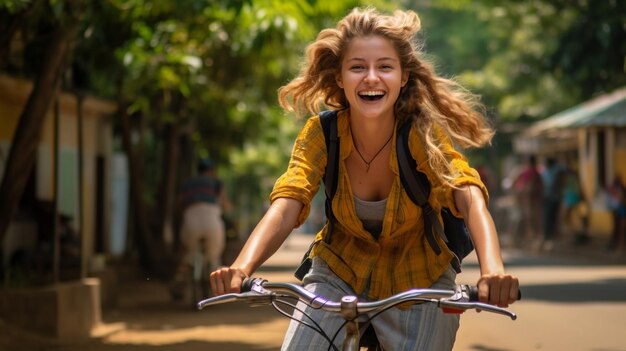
(575,206)
(617,204)
(528,187)
(553,185)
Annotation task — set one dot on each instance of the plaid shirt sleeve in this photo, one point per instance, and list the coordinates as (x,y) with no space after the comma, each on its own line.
(301,180)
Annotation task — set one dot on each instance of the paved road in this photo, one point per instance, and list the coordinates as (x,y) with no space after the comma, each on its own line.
(568,305)
(572,304)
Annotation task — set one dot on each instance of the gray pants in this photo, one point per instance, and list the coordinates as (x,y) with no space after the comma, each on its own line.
(423,327)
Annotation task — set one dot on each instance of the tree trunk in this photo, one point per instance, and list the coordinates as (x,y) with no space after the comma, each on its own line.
(185,166)
(168,188)
(23,151)
(141,227)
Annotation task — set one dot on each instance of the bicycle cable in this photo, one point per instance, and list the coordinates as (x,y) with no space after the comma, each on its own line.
(315,326)
(332,342)
(370,319)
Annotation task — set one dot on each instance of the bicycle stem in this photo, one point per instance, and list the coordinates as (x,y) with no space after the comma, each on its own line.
(350,313)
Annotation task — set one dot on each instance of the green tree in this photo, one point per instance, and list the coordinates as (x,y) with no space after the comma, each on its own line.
(59,25)
(591,51)
(199,75)
(527,59)
(568,51)
(190,72)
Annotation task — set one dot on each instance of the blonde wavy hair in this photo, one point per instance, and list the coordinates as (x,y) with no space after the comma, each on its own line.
(434,104)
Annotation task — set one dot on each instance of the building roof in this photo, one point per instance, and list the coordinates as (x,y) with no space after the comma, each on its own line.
(613,115)
(558,132)
(605,110)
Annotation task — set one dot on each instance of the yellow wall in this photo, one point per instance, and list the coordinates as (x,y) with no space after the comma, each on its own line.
(8,120)
(600,218)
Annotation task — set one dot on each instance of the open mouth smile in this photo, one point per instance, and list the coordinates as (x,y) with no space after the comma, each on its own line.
(371,95)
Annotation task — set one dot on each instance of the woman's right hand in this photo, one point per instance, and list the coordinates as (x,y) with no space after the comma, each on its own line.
(227,280)
(268,235)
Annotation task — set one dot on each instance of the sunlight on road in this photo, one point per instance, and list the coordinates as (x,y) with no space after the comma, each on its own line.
(268,334)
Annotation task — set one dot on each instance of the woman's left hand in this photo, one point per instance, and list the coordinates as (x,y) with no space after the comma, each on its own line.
(498,289)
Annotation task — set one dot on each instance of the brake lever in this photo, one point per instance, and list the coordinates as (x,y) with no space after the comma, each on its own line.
(476,306)
(218,300)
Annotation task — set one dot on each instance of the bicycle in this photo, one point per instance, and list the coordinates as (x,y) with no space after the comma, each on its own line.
(260,292)
(200,273)
(193,276)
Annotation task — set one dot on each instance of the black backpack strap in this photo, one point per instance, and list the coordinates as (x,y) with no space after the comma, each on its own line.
(328,119)
(417,187)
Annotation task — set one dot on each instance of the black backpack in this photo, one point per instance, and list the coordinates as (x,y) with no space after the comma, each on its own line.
(415,183)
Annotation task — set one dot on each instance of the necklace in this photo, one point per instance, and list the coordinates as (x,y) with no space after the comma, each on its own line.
(367,163)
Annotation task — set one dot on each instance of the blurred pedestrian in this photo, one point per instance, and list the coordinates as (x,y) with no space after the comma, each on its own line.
(575,204)
(617,204)
(553,178)
(528,188)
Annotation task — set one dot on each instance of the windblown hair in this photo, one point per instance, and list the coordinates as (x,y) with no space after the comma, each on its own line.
(434,104)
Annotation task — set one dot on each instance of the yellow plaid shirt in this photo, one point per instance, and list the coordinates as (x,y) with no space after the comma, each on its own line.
(401,258)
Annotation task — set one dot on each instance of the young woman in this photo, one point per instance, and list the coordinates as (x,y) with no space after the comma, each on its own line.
(370,69)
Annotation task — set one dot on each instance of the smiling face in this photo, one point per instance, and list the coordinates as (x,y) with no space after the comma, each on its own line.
(371,76)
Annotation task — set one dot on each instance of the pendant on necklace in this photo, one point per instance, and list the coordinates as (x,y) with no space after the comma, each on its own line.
(367,164)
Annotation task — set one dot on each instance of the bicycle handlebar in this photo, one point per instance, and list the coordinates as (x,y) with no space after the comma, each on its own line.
(261,292)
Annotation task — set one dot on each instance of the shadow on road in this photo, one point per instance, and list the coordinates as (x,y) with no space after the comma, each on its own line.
(184,346)
(522,258)
(486,348)
(604,290)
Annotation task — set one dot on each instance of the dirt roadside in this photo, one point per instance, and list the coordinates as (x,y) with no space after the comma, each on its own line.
(145,318)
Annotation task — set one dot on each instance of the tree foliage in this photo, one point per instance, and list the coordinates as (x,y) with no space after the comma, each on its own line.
(568,51)
(199,75)
(198,78)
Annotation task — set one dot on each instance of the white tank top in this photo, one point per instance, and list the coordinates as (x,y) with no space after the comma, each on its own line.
(371,214)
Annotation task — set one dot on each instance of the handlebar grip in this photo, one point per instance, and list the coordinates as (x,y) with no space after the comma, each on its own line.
(473,293)
(249,282)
